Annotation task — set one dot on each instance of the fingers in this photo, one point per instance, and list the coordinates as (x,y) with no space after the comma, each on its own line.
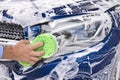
(37,54)
(34,60)
(36,45)
(31,56)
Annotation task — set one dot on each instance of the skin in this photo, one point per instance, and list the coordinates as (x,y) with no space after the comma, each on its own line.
(23,51)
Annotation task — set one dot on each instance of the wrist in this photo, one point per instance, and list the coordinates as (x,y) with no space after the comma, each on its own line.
(7,52)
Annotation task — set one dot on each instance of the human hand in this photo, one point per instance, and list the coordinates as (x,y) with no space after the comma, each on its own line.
(24,51)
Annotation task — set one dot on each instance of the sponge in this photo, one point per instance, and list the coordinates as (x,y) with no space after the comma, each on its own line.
(50,46)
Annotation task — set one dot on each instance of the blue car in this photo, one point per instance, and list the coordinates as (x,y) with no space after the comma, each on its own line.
(87,32)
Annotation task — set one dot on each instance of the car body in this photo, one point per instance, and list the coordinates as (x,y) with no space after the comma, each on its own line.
(88,35)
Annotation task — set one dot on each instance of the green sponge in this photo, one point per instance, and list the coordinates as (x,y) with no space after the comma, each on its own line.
(50,46)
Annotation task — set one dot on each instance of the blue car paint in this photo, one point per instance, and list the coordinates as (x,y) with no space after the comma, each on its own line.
(104,56)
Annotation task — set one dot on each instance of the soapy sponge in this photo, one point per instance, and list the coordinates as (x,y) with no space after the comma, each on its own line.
(50,46)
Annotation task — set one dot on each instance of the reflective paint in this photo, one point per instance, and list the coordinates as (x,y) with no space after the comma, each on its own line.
(88,33)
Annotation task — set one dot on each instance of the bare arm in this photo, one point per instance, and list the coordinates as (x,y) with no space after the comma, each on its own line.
(23,51)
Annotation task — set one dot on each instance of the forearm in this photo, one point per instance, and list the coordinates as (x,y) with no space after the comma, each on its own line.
(22,51)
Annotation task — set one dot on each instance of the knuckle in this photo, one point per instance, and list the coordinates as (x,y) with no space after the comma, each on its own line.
(30,48)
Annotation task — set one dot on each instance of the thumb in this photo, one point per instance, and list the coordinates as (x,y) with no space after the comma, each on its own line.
(36,45)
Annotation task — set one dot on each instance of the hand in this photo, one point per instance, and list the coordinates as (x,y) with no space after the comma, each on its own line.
(24,51)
